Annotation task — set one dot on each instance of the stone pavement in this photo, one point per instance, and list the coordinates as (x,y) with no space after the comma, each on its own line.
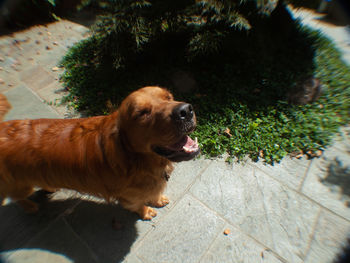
(295,211)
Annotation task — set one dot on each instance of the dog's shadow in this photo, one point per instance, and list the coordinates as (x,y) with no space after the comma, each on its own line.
(76,229)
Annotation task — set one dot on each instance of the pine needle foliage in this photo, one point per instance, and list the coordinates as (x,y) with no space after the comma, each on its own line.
(127,27)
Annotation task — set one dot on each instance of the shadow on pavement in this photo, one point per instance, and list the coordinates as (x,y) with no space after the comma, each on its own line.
(78,230)
(338,174)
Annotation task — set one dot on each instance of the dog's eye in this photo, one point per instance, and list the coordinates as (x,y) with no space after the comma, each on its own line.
(144,112)
(168,97)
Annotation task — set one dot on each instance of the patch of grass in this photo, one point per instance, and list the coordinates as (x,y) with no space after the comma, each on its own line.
(242,90)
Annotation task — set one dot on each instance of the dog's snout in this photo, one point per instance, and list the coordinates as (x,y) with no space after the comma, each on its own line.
(183,112)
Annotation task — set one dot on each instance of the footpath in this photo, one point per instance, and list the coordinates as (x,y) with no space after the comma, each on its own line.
(295,211)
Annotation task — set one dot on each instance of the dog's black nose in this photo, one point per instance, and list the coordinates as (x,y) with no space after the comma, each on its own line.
(183,112)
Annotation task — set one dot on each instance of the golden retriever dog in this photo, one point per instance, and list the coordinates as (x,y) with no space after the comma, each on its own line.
(126,156)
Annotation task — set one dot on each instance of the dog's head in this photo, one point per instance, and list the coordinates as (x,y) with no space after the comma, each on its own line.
(152,121)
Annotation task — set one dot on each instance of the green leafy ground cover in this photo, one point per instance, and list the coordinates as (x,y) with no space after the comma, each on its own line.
(241,89)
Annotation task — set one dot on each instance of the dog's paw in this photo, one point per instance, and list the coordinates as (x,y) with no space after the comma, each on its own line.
(161,202)
(148,213)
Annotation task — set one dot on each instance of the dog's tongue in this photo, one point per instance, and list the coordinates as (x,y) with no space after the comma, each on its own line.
(186,144)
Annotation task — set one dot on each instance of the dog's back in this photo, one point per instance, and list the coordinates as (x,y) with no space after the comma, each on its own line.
(4,106)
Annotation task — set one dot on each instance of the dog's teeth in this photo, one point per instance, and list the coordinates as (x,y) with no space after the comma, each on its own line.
(188,150)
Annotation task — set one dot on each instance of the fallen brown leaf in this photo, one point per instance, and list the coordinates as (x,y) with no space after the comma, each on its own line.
(318,153)
(227,231)
(299,156)
(227,132)
(261,154)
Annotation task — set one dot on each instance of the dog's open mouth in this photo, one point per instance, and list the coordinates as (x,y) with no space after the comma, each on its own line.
(183,150)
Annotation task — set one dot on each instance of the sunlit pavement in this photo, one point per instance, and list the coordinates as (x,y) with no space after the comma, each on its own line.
(295,211)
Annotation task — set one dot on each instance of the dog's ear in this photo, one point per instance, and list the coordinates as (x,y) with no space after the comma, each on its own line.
(4,106)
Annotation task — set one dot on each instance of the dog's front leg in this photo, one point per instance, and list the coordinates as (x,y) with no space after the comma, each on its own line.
(145,212)
(160,201)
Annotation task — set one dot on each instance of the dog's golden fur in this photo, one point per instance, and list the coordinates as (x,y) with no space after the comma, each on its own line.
(106,156)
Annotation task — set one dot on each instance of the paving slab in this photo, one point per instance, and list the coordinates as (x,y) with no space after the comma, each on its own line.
(290,171)
(267,210)
(328,181)
(184,235)
(342,140)
(26,105)
(238,247)
(59,239)
(36,78)
(17,227)
(182,178)
(131,258)
(33,255)
(108,230)
(330,238)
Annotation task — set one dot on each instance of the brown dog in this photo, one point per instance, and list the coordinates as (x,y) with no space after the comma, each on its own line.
(126,156)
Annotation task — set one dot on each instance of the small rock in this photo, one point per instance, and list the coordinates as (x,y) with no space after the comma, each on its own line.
(37,42)
(227,231)
(40,33)
(55,68)
(2,81)
(1,68)
(30,59)
(49,33)
(47,48)
(38,53)
(55,43)
(2,59)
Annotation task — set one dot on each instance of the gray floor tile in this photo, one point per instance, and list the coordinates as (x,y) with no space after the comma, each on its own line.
(36,77)
(183,235)
(237,247)
(290,171)
(18,227)
(61,240)
(342,140)
(109,230)
(275,215)
(330,236)
(328,181)
(25,105)
(131,258)
(33,255)
(183,175)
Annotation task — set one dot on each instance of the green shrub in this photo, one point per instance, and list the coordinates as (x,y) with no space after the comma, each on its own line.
(243,76)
